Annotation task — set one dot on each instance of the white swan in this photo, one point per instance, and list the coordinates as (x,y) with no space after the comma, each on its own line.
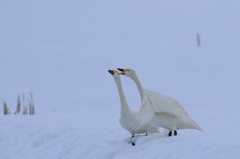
(159,109)
(127,115)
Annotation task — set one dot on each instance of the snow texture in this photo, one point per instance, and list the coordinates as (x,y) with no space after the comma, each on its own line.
(62,50)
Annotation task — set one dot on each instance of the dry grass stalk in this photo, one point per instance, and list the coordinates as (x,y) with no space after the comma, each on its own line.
(5,108)
(31,105)
(25,109)
(18,106)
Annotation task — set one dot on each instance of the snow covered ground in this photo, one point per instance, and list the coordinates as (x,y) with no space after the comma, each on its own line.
(62,50)
(96,133)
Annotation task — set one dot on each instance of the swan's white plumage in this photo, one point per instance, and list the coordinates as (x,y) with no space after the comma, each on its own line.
(159,109)
(145,114)
(164,104)
(160,105)
(128,116)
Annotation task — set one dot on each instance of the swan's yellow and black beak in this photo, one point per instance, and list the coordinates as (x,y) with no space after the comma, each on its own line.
(122,71)
(112,72)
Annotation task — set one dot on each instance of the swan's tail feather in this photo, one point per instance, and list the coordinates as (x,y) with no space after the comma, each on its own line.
(193,125)
(198,127)
(189,124)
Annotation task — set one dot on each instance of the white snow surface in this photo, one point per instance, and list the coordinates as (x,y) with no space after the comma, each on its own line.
(62,50)
(95,133)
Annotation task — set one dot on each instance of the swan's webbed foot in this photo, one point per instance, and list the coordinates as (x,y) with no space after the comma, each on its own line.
(170,133)
(146,134)
(175,132)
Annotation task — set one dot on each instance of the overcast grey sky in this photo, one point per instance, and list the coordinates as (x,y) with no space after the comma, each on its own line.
(62,50)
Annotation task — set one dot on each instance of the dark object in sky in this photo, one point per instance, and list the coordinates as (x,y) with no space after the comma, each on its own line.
(198,40)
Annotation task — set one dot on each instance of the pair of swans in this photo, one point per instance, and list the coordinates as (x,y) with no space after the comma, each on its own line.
(157,110)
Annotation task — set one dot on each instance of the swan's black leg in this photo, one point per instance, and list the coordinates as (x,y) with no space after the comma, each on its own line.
(133,144)
(175,132)
(146,134)
(170,133)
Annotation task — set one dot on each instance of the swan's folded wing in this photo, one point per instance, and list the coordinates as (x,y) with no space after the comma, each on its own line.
(144,116)
(165,105)
(176,105)
(157,104)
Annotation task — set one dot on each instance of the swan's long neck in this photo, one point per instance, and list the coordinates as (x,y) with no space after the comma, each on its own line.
(139,85)
(124,106)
